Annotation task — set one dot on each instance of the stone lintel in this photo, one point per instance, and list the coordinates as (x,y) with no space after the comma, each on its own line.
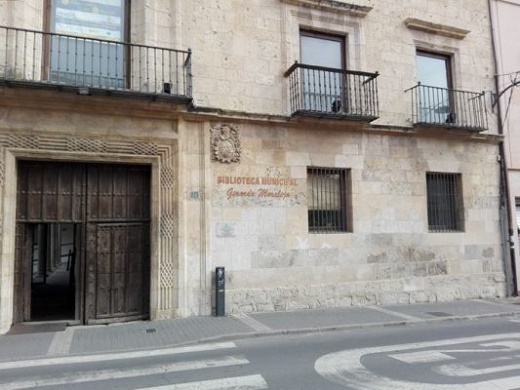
(333,5)
(435,28)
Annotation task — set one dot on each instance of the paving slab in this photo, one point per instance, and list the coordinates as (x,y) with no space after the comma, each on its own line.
(147,334)
(20,346)
(454,309)
(27,341)
(323,318)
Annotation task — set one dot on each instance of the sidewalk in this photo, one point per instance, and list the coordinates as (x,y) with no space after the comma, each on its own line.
(55,339)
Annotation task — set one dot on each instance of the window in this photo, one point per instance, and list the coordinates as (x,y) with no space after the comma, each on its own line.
(322,50)
(433,73)
(444,197)
(323,82)
(327,199)
(93,52)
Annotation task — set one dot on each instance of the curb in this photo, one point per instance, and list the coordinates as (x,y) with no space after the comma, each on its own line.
(295,331)
(332,328)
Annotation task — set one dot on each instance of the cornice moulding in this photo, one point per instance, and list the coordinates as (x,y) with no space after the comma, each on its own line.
(434,28)
(332,5)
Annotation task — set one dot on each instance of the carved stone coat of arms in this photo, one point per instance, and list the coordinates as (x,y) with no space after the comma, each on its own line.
(225,144)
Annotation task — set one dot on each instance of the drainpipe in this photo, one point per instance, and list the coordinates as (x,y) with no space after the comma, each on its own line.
(511,282)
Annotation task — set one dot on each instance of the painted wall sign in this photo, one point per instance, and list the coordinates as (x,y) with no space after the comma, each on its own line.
(263,190)
(256,180)
(261,193)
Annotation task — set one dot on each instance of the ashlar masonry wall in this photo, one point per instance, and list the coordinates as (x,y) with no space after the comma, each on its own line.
(250,215)
(259,231)
(68,128)
(242,49)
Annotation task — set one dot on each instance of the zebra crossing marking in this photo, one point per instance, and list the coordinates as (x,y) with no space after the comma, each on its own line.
(61,342)
(112,374)
(114,356)
(250,382)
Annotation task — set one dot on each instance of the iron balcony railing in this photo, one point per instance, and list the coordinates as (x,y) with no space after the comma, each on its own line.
(321,91)
(36,57)
(448,107)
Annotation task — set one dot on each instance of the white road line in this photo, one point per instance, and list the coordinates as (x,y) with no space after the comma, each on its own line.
(460,370)
(100,375)
(61,342)
(250,382)
(421,357)
(438,356)
(251,322)
(503,305)
(394,313)
(114,356)
(512,345)
(345,367)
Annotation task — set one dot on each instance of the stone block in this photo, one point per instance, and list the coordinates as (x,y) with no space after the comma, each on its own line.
(298,159)
(279,259)
(323,257)
(413,285)
(271,243)
(437,268)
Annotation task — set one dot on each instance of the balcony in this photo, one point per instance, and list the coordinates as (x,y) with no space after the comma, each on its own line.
(433,106)
(93,66)
(334,93)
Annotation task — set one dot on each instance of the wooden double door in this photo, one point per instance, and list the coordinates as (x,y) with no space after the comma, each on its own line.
(82,242)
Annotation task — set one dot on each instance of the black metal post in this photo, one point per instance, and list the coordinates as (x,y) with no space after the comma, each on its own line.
(220,284)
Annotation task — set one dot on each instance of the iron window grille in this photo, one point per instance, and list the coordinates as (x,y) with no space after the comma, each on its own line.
(327,200)
(444,197)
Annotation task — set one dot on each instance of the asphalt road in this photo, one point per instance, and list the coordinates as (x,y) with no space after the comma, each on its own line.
(476,355)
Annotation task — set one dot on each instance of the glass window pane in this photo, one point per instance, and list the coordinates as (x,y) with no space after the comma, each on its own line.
(319,51)
(434,98)
(432,71)
(323,90)
(99,19)
(83,58)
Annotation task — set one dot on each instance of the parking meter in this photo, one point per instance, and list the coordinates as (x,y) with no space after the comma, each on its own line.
(220,284)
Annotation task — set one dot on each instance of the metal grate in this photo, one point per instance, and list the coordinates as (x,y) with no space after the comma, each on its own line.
(444,197)
(327,200)
(439,314)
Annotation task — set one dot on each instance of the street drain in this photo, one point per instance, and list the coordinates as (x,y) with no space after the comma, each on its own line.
(439,314)
(151,330)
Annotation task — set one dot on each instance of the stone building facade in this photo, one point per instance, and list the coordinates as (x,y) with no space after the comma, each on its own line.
(303,145)
(507,106)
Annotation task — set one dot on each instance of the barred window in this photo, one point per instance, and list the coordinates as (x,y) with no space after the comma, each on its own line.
(445,209)
(327,200)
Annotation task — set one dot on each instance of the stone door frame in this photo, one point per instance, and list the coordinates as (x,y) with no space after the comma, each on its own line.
(164,235)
